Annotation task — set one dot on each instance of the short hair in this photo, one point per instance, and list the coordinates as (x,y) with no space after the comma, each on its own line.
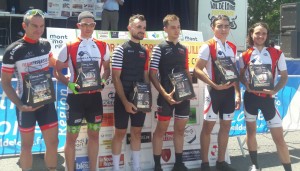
(251,31)
(168,18)
(32,13)
(136,16)
(218,17)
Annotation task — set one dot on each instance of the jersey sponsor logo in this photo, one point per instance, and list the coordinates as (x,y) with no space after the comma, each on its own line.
(12,52)
(168,50)
(35,62)
(29,54)
(181,51)
(130,51)
(77,120)
(98,118)
(142,54)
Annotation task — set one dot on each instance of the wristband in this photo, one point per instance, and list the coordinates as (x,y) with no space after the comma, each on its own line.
(72,86)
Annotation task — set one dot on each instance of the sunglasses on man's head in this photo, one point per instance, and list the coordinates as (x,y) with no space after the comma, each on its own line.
(92,24)
(35,12)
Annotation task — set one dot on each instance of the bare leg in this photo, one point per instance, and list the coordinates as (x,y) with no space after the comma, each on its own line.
(205,139)
(26,155)
(51,141)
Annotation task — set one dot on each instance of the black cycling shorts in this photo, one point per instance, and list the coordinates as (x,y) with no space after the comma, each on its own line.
(88,106)
(46,117)
(165,110)
(121,117)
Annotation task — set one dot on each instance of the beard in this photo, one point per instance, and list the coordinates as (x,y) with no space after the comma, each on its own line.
(138,36)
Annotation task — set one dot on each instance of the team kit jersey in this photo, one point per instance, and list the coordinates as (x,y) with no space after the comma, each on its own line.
(166,58)
(89,104)
(253,102)
(23,57)
(132,59)
(87,51)
(217,102)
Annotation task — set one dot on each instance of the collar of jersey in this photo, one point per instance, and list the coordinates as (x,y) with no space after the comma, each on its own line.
(29,40)
(86,40)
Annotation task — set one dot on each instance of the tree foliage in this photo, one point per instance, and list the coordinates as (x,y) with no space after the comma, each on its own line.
(267,11)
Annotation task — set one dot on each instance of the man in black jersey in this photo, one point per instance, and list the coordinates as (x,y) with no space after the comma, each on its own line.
(166,56)
(31,54)
(129,64)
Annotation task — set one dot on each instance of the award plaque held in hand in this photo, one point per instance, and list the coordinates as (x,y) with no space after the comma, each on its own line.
(88,76)
(226,68)
(142,97)
(40,90)
(183,87)
(261,77)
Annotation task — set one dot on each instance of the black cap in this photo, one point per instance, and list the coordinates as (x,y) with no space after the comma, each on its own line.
(85,14)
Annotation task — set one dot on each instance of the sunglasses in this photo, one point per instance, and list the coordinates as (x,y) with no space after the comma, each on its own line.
(93,24)
(35,12)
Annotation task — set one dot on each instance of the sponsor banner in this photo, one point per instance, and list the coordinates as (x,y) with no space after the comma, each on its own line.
(105,140)
(191,135)
(155,35)
(82,163)
(213,154)
(193,36)
(10,138)
(146,138)
(191,156)
(106,162)
(234,9)
(167,158)
(107,122)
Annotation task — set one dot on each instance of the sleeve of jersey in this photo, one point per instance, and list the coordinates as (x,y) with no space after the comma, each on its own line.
(281,63)
(8,62)
(241,61)
(155,58)
(186,59)
(147,60)
(204,52)
(117,58)
(107,53)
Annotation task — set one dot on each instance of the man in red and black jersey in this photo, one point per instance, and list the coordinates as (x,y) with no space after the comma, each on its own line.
(166,56)
(84,104)
(31,54)
(221,99)
(129,65)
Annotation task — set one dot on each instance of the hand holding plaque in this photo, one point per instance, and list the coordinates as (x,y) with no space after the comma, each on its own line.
(261,77)
(39,88)
(226,68)
(183,87)
(142,97)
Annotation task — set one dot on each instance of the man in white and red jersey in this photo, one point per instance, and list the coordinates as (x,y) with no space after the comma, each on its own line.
(260,53)
(27,55)
(221,99)
(85,104)
(166,56)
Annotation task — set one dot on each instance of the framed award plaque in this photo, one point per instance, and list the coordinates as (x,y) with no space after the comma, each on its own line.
(142,97)
(88,76)
(40,88)
(183,87)
(227,70)
(261,77)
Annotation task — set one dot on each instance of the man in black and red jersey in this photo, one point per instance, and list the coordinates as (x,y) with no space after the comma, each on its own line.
(84,104)
(220,98)
(26,55)
(129,65)
(166,56)
(259,53)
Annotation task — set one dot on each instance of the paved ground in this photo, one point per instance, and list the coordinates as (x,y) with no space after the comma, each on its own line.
(268,158)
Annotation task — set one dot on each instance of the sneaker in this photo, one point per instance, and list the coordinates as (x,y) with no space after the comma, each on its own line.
(205,166)
(157,168)
(253,168)
(179,167)
(223,166)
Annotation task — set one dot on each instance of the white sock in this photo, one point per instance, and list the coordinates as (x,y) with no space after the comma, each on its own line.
(135,159)
(116,162)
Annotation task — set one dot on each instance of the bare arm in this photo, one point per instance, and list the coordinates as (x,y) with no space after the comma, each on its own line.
(59,75)
(146,76)
(129,107)
(106,67)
